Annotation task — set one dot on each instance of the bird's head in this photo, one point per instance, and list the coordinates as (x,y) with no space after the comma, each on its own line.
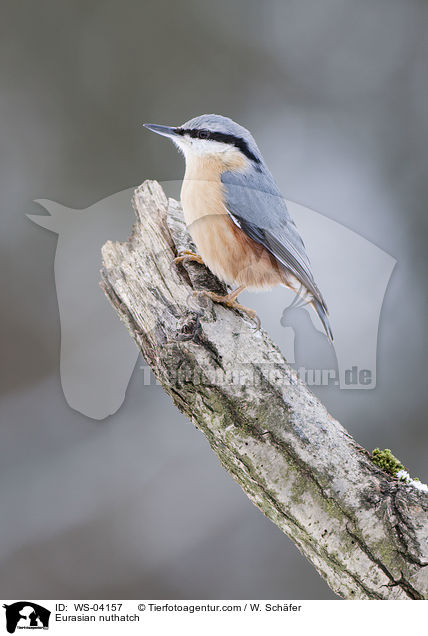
(211,135)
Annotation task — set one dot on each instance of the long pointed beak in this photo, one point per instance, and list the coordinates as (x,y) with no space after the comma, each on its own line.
(166,131)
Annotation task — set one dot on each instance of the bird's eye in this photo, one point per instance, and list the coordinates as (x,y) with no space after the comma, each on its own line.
(203,134)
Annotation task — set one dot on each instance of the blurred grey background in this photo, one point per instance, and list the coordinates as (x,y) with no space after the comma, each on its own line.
(336,94)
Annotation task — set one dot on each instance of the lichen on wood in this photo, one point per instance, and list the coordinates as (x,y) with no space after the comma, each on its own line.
(364,531)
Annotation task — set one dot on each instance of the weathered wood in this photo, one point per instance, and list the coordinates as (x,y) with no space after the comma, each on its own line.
(364,531)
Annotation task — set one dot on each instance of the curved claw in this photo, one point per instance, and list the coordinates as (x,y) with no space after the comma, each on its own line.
(250,313)
(185,257)
(257,322)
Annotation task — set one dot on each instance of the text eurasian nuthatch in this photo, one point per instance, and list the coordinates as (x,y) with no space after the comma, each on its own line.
(236,215)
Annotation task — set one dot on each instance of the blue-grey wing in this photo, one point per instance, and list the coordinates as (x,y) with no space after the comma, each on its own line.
(255,204)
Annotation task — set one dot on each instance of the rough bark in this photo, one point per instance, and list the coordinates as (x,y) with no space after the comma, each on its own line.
(365,532)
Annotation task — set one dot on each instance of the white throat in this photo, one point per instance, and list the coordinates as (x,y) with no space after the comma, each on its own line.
(202,147)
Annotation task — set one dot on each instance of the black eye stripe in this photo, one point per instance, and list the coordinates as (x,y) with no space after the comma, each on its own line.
(202,133)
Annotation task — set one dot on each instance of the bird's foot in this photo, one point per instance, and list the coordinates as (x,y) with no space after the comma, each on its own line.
(186,256)
(230,301)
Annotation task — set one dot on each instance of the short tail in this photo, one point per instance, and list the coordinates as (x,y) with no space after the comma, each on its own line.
(321,310)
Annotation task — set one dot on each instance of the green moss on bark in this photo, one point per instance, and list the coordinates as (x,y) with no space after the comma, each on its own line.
(386,461)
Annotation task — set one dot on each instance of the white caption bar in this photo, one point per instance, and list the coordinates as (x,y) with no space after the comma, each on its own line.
(206,617)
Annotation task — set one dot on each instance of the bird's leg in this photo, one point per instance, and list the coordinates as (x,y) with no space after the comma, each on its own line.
(186,256)
(226,300)
(230,301)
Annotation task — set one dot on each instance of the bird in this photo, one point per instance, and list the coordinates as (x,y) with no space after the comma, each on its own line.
(237,216)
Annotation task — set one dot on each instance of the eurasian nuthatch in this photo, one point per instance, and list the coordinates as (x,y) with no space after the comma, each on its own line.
(236,215)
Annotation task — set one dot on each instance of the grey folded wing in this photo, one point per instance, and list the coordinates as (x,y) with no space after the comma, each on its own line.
(255,204)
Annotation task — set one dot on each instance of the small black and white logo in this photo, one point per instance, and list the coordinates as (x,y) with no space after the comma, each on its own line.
(26,615)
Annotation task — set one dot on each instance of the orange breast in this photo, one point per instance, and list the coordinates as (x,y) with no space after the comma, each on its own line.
(232,255)
(225,248)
